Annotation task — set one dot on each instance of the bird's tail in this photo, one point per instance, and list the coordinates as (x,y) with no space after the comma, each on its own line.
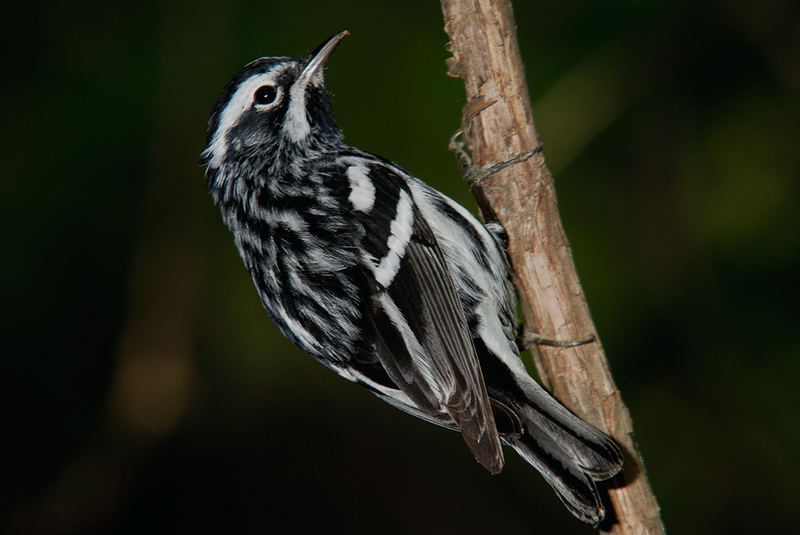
(568,452)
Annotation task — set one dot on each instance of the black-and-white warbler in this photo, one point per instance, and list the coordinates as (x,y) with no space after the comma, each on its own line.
(385,280)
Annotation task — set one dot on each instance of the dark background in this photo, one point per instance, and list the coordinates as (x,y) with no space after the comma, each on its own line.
(144,389)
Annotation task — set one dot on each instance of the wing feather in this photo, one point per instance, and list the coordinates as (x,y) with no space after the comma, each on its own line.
(421,304)
(421,335)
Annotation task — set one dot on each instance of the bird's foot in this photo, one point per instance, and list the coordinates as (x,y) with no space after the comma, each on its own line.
(475,176)
(528,339)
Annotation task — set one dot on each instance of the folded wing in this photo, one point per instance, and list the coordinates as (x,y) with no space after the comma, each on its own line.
(420,328)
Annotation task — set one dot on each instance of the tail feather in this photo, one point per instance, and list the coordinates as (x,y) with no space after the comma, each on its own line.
(593,451)
(574,486)
(568,452)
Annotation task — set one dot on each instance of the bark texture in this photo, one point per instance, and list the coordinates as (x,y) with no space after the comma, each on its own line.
(498,125)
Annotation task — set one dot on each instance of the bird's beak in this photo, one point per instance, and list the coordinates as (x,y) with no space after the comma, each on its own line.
(315,60)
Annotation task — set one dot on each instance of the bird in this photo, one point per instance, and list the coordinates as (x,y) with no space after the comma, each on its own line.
(383,279)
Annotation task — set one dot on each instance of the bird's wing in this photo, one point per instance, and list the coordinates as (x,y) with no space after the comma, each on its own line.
(421,331)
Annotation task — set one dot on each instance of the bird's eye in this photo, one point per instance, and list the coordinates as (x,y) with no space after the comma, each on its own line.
(265,94)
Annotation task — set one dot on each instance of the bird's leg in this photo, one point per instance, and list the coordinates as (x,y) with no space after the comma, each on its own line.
(527,339)
(458,146)
(474,176)
(478,175)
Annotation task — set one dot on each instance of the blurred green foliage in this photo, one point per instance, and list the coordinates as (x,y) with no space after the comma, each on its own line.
(144,388)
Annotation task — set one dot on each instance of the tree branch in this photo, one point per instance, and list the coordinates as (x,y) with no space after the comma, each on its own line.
(498,125)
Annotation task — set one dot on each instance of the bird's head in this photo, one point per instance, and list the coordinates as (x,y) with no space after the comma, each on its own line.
(273,105)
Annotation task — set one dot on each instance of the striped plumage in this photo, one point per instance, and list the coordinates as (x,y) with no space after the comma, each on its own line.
(385,280)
